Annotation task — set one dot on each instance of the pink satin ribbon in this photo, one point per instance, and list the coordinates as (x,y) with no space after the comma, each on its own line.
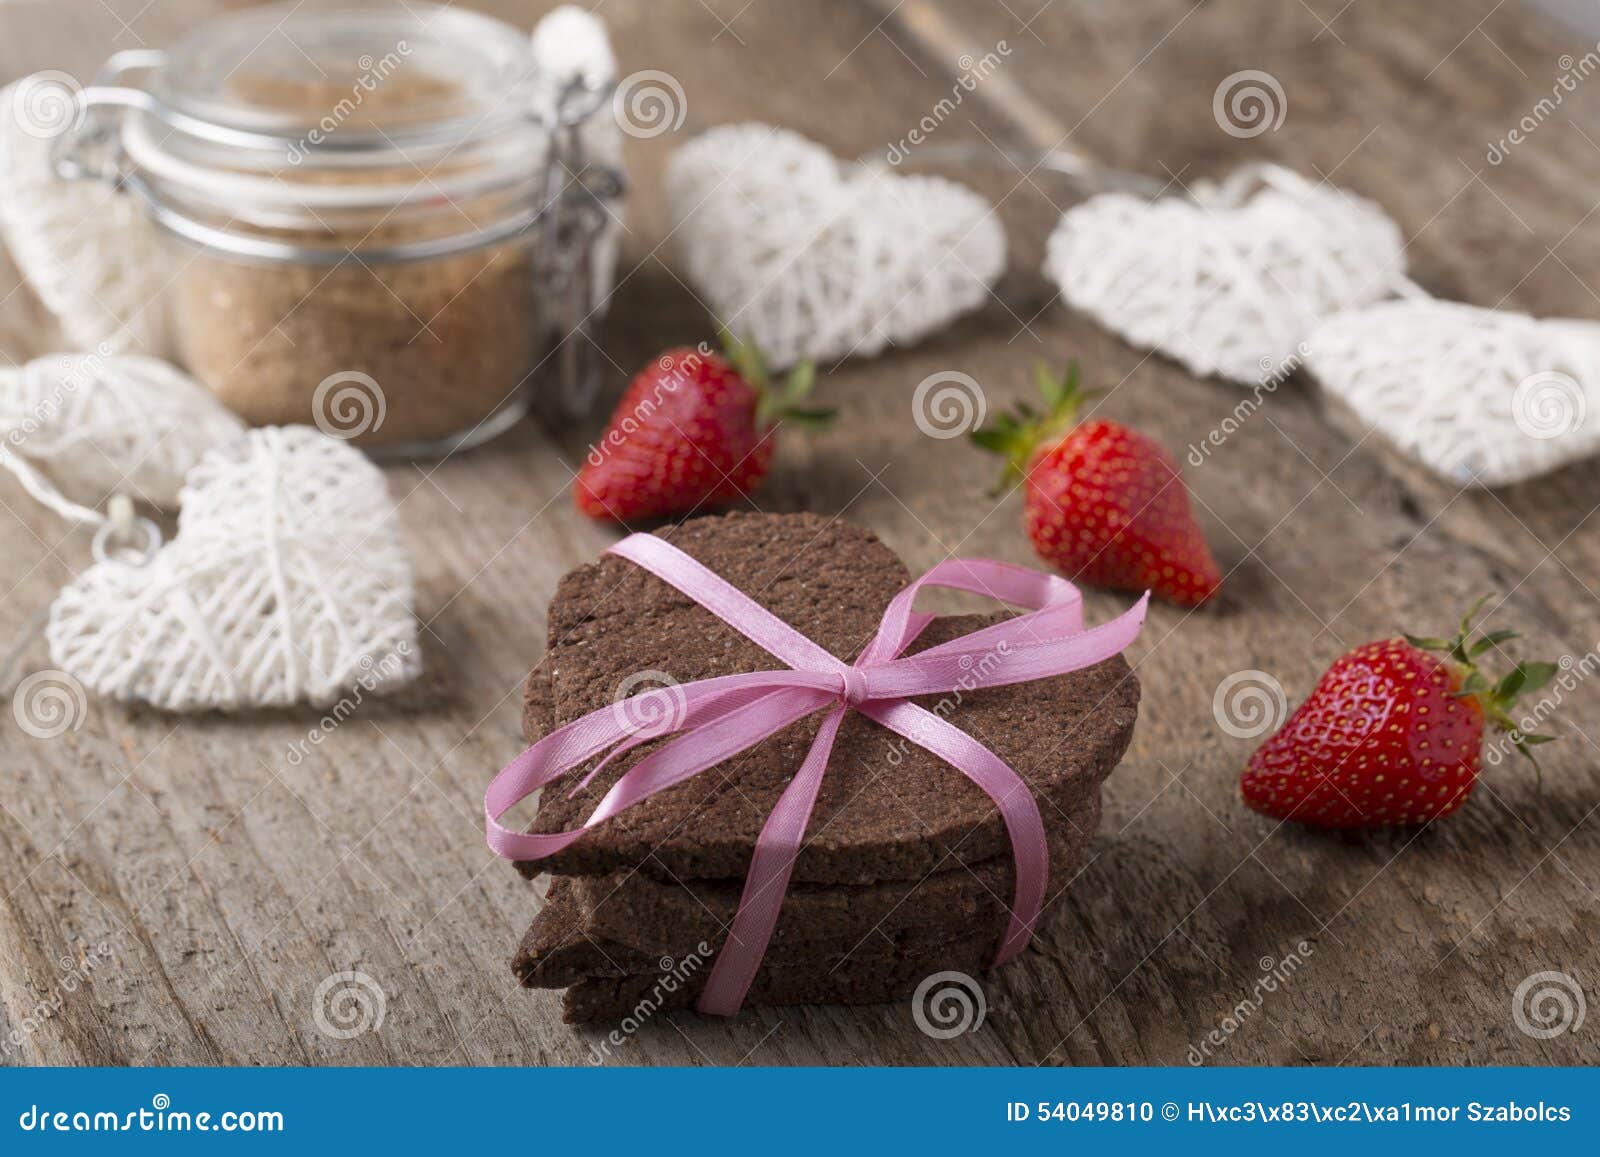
(720,717)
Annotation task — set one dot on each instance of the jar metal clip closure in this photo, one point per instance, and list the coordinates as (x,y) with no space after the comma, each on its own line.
(577,193)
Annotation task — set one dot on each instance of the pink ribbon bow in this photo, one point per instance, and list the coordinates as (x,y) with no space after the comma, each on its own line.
(723,716)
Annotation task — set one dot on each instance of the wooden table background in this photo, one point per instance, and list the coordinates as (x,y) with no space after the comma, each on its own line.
(217,885)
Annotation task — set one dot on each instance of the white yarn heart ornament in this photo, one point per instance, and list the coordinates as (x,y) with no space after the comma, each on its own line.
(89,252)
(1233,281)
(811,258)
(1481,396)
(286,582)
(96,424)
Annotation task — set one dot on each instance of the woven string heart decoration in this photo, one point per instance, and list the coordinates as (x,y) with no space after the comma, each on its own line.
(814,258)
(286,582)
(1484,397)
(79,427)
(90,253)
(1234,280)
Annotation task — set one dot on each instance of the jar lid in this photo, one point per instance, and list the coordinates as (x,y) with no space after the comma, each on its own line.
(269,132)
(351,80)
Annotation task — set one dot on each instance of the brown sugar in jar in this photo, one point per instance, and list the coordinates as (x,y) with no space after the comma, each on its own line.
(363,208)
(447,342)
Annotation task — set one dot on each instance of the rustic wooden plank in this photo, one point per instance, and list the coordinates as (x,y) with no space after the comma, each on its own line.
(229,882)
(1321,562)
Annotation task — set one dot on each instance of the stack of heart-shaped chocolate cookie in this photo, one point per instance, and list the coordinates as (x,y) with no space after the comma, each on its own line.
(906,868)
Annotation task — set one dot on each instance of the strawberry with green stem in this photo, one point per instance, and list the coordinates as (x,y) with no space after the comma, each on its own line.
(1103,503)
(1392,733)
(694,429)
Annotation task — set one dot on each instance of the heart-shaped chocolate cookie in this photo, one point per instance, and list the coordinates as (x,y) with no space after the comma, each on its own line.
(906,865)
(888,809)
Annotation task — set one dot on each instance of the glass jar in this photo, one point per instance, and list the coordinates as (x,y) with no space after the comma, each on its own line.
(374,216)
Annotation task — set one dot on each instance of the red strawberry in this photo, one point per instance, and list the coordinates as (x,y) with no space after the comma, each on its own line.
(1392,734)
(1104,503)
(693,429)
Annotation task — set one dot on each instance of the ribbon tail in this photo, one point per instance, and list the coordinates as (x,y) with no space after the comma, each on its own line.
(1009,652)
(706,705)
(768,880)
(699,715)
(1011,795)
(716,742)
(543,763)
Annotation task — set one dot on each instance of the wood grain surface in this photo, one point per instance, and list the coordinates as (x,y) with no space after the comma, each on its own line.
(213,884)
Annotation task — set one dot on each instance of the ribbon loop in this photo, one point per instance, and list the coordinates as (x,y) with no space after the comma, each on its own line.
(712,720)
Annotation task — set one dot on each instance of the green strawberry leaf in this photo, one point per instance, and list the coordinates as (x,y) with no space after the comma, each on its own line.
(1019,435)
(814,418)
(1494,698)
(1472,613)
(799,382)
(774,403)
(1537,675)
(1490,641)
(1511,684)
(1428,642)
